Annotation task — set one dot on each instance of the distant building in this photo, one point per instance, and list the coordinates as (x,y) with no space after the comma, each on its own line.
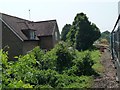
(23,35)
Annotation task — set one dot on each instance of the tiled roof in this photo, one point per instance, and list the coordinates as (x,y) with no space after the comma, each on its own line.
(45,28)
(42,28)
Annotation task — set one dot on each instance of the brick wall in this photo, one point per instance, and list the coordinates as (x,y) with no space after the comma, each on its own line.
(29,45)
(46,42)
(12,41)
(54,37)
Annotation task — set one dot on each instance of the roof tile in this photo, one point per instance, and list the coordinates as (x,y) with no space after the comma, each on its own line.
(43,28)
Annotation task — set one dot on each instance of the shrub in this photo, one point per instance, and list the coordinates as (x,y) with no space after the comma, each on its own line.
(38,54)
(98,67)
(19,84)
(81,82)
(62,67)
(82,64)
(49,60)
(64,55)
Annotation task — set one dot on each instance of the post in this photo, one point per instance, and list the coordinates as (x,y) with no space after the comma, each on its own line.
(29,15)
(0,30)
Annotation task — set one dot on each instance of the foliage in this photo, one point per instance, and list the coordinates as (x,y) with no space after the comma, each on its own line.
(15,74)
(105,35)
(65,31)
(81,82)
(82,65)
(38,54)
(44,86)
(104,41)
(71,36)
(18,84)
(49,60)
(66,81)
(64,56)
(82,33)
(62,67)
(98,67)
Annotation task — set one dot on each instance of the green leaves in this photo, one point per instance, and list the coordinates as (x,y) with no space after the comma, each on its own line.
(4,58)
(19,84)
(62,67)
(64,57)
(82,33)
(105,35)
(65,31)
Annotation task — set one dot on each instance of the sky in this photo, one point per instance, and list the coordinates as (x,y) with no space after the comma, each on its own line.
(103,13)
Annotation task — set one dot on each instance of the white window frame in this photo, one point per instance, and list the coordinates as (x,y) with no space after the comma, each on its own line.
(32,34)
(56,36)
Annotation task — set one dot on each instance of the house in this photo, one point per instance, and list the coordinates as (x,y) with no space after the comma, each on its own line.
(23,35)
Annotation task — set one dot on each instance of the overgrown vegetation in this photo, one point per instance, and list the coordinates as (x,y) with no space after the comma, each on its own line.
(65,31)
(68,65)
(62,67)
(81,34)
(105,36)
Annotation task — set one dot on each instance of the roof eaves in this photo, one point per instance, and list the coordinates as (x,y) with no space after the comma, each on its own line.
(32,40)
(44,35)
(45,21)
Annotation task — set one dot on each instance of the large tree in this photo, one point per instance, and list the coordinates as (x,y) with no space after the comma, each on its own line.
(65,31)
(82,33)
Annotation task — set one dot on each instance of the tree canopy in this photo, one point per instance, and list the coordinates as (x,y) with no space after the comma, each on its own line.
(82,33)
(65,31)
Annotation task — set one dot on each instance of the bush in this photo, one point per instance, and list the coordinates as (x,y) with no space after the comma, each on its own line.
(48,87)
(19,84)
(62,67)
(81,82)
(45,77)
(98,67)
(60,58)
(65,81)
(38,54)
(21,70)
(49,60)
(82,65)
(64,57)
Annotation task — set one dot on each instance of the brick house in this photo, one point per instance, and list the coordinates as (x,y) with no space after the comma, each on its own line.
(23,35)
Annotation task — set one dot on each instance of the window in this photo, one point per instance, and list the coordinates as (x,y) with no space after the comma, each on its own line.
(32,34)
(56,36)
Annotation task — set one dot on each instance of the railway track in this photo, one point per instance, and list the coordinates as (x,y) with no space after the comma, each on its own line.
(108,78)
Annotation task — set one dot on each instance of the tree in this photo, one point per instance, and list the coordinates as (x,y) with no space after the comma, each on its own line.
(82,33)
(65,31)
(64,55)
(104,41)
(71,36)
(105,35)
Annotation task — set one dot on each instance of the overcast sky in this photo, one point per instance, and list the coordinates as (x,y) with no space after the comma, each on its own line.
(103,13)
